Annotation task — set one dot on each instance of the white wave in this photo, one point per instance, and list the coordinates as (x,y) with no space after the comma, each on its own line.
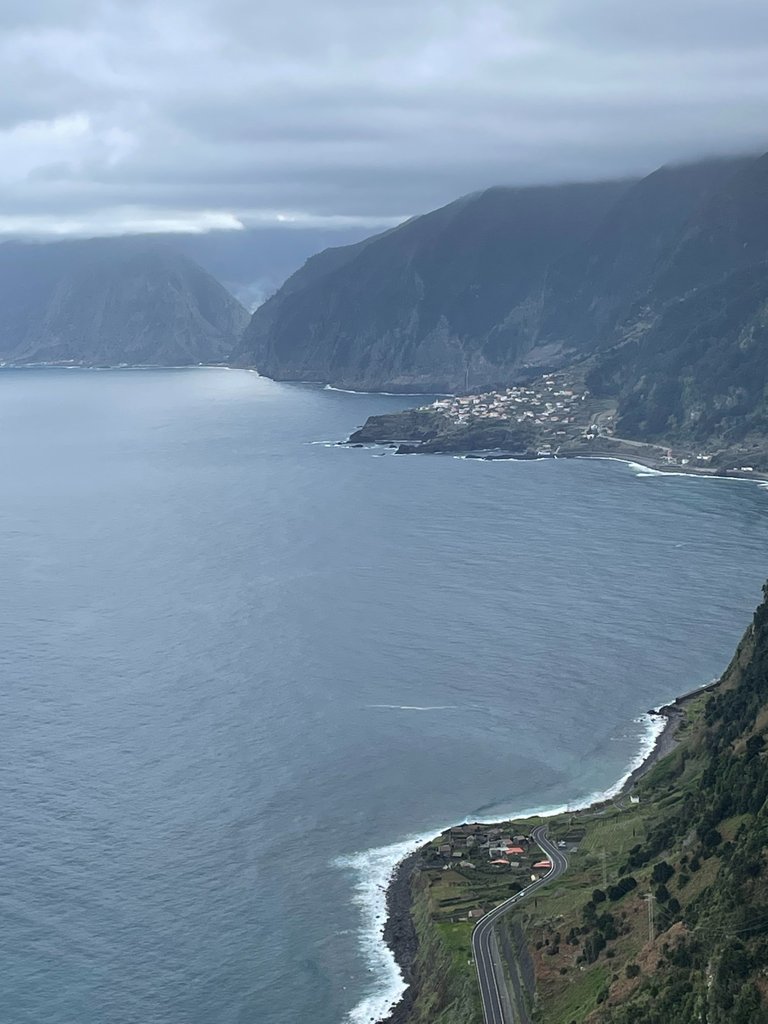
(539,458)
(373,870)
(702,476)
(654,726)
(641,471)
(416,707)
(389,394)
(503,458)
(637,467)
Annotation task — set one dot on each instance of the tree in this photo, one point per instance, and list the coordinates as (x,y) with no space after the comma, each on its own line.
(711,838)
(662,872)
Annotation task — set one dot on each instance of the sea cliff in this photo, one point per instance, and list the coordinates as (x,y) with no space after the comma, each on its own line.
(678,835)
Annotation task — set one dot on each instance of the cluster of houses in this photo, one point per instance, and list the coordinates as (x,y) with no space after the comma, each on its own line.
(550,401)
(467,844)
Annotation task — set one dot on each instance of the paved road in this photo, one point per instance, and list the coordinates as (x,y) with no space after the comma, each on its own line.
(489,968)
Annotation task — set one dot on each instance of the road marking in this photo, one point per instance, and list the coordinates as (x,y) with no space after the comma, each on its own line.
(484,929)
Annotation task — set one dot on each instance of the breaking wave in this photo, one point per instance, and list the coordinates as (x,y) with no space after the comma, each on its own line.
(390,394)
(375,868)
(416,707)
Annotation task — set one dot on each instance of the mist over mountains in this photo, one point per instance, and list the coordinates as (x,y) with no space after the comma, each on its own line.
(154,299)
(658,286)
(111,301)
(465,296)
(446,300)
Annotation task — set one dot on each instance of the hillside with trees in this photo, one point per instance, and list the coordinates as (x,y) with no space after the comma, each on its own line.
(662,915)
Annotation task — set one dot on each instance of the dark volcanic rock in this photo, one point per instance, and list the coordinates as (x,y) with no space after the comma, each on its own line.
(426,430)
(400,934)
(410,425)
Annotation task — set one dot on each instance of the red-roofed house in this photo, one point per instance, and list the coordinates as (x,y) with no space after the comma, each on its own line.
(542,865)
(515,849)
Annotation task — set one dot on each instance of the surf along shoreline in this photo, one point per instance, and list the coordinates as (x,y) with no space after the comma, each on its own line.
(399,933)
(647,457)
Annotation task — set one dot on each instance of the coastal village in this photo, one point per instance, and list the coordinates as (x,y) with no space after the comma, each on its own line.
(554,404)
(567,419)
(493,856)
(552,416)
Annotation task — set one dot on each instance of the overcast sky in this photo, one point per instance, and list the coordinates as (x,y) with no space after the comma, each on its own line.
(194,114)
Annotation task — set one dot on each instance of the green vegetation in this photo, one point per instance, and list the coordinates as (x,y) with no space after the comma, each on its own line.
(699,834)
(663,913)
(447,990)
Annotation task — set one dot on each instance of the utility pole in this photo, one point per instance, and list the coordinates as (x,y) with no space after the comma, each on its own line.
(605,869)
(651,901)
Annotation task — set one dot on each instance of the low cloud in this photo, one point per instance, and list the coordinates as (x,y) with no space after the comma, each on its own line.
(197,116)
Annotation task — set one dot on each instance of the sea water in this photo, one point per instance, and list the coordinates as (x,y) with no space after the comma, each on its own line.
(243,672)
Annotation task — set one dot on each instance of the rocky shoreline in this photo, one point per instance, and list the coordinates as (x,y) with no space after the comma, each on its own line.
(666,741)
(425,432)
(400,931)
(400,934)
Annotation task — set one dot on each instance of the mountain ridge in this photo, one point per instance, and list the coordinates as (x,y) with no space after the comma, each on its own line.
(111,301)
(467,295)
(397,312)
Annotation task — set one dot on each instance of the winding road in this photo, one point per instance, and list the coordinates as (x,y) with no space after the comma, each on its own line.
(490,972)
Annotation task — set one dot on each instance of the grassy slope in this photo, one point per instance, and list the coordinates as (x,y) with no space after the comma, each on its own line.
(447,987)
(702,822)
(696,843)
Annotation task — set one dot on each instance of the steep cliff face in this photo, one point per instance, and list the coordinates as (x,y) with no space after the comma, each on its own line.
(462,297)
(449,299)
(710,872)
(694,362)
(662,914)
(700,371)
(112,301)
(592,292)
(444,991)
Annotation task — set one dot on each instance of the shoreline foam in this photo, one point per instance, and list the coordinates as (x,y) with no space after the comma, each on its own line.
(389,394)
(644,470)
(377,868)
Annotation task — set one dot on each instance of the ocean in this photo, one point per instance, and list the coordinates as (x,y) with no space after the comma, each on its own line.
(243,669)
